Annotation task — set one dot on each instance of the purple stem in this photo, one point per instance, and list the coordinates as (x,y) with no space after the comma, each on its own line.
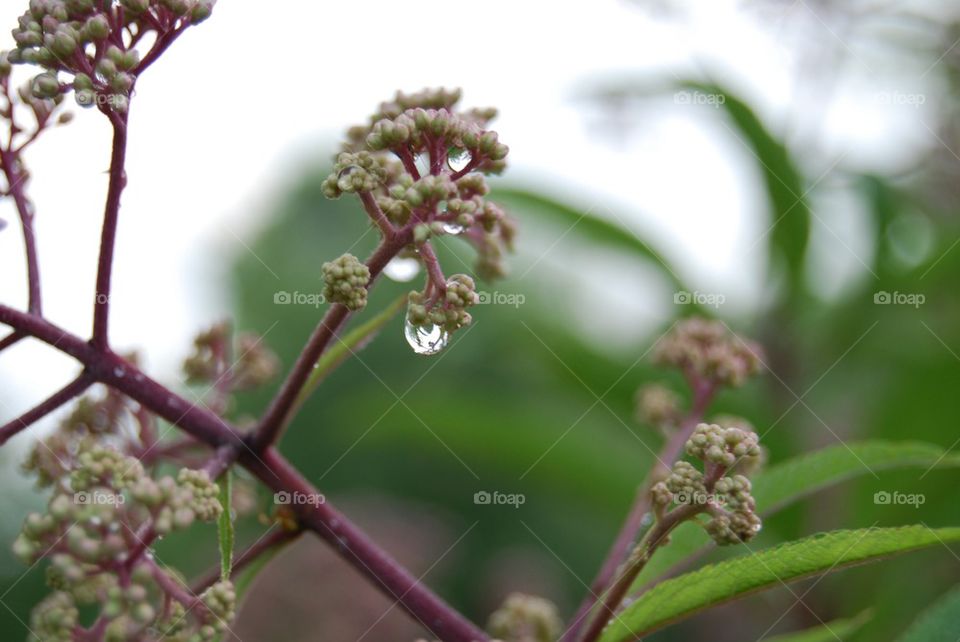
(702,395)
(111,215)
(15,182)
(58,399)
(262,546)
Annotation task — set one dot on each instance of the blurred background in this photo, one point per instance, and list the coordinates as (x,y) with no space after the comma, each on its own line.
(788,167)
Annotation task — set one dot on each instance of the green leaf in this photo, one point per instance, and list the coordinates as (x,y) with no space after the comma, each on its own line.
(681,597)
(829,632)
(782,484)
(586,226)
(340,349)
(790,213)
(225,525)
(940,623)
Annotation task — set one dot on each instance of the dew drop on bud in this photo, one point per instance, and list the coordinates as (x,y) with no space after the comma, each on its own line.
(458,159)
(453,228)
(426,339)
(422,161)
(402,269)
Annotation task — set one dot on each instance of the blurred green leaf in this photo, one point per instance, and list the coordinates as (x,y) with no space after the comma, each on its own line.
(835,630)
(940,623)
(681,597)
(790,213)
(586,225)
(792,480)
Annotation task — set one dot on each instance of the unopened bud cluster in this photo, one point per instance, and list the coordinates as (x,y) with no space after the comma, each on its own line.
(104,511)
(419,165)
(82,39)
(345,281)
(707,350)
(449,309)
(658,406)
(525,618)
(226,363)
(725,498)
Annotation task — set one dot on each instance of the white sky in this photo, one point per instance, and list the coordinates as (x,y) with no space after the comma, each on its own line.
(241,102)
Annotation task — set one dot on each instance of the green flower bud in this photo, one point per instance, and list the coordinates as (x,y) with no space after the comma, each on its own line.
(346,282)
(46,86)
(97,28)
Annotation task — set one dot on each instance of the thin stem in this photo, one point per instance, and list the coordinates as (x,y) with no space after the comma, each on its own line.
(15,181)
(58,399)
(703,393)
(11,339)
(111,215)
(279,411)
(654,538)
(376,214)
(262,546)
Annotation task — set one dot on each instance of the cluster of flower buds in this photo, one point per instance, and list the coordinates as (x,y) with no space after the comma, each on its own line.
(525,618)
(345,281)
(93,43)
(446,310)
(103,514)
(227,363)
(658,406)
(724,497)
(707,350)
(93,421)
(419,165)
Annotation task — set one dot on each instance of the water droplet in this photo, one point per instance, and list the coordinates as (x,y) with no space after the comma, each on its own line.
(453,228)
(458,159)
(119,373)
(422,161)
(426,339)
(402,269)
